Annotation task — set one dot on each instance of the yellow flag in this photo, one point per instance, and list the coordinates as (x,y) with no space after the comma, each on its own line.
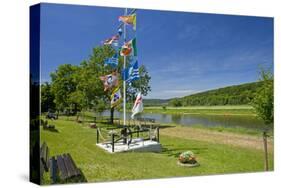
(130,19)
(116,97)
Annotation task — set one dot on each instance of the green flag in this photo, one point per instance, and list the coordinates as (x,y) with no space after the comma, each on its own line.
(129,48)
(133,44)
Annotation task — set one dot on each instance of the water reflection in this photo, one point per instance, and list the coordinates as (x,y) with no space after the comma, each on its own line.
(249,122)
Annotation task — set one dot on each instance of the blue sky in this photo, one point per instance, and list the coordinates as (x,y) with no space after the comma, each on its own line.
(184,52)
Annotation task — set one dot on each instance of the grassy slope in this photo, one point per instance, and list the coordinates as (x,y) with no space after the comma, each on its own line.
(79,140)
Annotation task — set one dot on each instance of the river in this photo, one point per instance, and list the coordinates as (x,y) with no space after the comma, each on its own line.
(227,121)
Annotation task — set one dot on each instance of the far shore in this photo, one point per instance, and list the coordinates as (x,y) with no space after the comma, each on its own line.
(206,110)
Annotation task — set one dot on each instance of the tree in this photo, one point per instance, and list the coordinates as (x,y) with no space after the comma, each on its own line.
(63,87)
(101,106)
(94,68)
(263,100)
(89,90)
(47,98)
(90,83)
(264,107)
(140,85)
(176,102)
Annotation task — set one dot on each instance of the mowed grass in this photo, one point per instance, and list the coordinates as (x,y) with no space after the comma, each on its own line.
(214,110)
(97,165)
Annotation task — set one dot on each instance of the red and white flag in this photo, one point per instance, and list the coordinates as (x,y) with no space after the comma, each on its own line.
(138,106)
(111,40)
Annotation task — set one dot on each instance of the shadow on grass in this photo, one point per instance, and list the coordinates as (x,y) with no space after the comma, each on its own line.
(175,152)
(54,130)
(78,179)
(166,126)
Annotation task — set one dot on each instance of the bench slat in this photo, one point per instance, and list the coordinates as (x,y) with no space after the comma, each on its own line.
(53,170)
(61,167)
(41,169)
(69,166)
(77,171)
(44,156)
(47,158)
(43,150)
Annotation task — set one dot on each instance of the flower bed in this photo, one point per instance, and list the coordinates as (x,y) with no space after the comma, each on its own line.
(187,158)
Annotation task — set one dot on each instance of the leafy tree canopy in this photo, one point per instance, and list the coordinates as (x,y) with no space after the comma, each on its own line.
(263,101)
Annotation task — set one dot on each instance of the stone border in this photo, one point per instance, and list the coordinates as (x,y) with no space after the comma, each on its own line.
(188,164)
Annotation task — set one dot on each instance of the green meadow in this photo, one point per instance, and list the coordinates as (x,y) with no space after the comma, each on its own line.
(214,156)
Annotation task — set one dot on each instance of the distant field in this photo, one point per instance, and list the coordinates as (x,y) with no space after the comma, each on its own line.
(219,110)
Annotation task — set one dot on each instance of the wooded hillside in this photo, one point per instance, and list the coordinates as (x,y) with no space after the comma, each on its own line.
(232,95)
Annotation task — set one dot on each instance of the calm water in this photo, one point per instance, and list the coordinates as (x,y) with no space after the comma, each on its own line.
(249,122)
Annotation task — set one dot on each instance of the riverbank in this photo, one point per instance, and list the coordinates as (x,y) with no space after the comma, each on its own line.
(206,110)
(226,130)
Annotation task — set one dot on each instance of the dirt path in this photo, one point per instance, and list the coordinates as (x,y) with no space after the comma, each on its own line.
(245,141)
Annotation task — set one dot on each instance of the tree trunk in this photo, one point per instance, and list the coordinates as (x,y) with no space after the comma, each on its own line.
(77,117)
(76,113)
(111,115)
(58,113)
(265,151)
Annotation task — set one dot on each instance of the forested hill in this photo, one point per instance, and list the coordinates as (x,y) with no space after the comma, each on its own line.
(156,102)
(232,95)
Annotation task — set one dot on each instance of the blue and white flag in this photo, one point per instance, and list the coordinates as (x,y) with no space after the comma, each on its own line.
(113,61)
(133,72)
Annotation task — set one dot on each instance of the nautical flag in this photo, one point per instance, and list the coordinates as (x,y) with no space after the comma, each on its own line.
(109,81)
(138,106)
(130,19)
(133,72)
(112,40)
(125,50)
(113,61)
(129,48)
(120,31)
(133,44)
(115,97)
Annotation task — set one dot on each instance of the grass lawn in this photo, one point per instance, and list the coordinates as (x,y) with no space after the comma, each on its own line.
(97,165)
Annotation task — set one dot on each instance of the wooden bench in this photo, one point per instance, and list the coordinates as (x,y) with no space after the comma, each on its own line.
(44,156)
(63,168)
(53,170)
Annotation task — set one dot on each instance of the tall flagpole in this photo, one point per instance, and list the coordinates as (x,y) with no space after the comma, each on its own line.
(124,81)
